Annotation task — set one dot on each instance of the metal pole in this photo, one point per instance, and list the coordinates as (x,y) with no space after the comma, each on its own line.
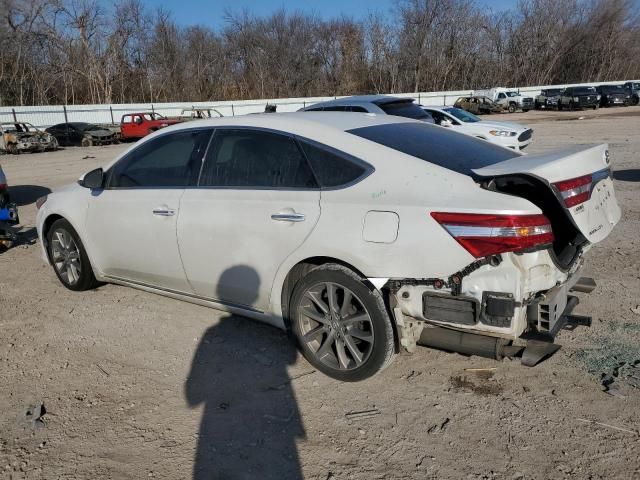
(233,112)
(15,119)
(152,110)
(111,111)
(66,120)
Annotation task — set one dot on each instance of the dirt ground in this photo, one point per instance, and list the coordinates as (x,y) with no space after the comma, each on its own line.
(140,386)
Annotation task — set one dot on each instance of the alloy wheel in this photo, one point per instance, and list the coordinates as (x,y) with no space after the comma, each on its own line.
(65,255)
(335,326)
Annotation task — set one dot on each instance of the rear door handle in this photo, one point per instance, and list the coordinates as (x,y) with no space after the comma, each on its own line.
(288,217)
(164,211)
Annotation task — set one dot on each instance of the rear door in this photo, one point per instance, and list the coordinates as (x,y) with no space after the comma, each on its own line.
(580,177)
(131,224)
(256,203)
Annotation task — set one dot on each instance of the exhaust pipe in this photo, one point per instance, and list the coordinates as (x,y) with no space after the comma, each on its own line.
(464,343)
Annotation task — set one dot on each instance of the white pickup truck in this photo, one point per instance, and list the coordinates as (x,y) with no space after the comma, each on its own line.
(510,100)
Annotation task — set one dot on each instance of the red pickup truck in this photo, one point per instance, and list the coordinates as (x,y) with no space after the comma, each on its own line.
(138,125)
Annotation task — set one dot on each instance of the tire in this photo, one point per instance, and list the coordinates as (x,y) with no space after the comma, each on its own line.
(635,100)
(512,108)
(86,142)
(525,110)
(73,267)
(559,106)
(356,341)
(12,149)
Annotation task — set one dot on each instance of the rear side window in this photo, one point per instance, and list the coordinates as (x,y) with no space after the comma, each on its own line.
(255,159)
(331,168)
(171,160)
(440,146)
(406,109)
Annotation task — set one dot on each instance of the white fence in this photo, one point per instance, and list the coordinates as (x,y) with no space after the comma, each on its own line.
(44,116)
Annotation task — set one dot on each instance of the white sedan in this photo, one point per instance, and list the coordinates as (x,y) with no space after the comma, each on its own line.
(507,134)
(362,234)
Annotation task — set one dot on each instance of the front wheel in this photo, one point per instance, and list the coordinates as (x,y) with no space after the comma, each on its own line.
(341,325)
(86,142)
(512,108)
(69,258)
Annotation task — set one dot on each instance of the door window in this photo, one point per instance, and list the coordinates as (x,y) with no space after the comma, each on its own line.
(255,159)
(171,160)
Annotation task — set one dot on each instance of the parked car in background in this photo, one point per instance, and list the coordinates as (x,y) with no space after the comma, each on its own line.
(8,214)
(139,125)
(510,100)
(633,88)
(380,104)
(506,134)
(18,137)
(548,98)
(478,105)
(199,113)
(81,134)
(362,234)
(613,96)
(579,98)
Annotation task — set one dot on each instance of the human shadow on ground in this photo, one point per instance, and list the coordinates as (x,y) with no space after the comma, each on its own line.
(251,420)
(27,194)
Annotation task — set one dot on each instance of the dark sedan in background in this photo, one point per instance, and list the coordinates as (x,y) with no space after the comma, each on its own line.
(81,133)
(613,96)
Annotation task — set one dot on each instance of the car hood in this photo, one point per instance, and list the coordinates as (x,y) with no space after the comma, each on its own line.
(510,125)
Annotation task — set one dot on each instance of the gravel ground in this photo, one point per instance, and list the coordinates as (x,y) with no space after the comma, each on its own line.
(140,386)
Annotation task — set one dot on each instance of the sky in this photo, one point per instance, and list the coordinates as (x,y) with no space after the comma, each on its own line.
(211,12)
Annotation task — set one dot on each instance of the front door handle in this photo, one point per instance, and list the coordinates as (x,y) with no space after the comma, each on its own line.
(164,211)
(288,217)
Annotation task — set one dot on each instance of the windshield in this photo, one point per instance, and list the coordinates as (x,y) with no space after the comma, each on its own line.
(462,115)
(407,109)
(512,94)
(440,146)
(612,89)
(92,128)
(157,116)
(584,91)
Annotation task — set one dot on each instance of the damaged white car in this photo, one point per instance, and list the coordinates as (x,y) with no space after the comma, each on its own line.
(361,234)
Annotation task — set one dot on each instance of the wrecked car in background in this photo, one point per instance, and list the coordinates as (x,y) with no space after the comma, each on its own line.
(8,214)
(82,134)
(478,105)
(368,233)
(199,113)
(18,137)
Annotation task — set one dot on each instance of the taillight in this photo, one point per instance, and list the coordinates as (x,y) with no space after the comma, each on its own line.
(575,190)
(3,186)
(486,234)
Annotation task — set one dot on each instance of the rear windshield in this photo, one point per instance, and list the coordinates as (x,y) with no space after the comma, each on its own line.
(440,146)
(406,109)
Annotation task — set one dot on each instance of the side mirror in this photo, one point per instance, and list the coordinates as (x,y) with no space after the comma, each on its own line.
(93,179)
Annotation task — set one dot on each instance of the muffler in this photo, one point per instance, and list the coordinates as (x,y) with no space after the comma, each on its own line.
(465,343)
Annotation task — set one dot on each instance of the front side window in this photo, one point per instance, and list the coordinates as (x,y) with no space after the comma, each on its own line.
(332,168)
(246,158)
(171,160)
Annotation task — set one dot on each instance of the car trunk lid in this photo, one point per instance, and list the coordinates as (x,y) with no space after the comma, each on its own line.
(579,178)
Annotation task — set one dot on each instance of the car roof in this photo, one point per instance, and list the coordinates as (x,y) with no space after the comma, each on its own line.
(362,99)
(298,122)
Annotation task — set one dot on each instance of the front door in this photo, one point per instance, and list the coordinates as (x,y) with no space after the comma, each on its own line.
(256,204)
(131,224)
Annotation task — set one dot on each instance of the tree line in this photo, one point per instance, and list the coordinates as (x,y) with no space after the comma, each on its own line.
(91,52)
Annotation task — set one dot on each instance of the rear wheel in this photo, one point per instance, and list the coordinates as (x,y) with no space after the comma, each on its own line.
(512,108)
(69,258)
(86,142)
(341,325)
